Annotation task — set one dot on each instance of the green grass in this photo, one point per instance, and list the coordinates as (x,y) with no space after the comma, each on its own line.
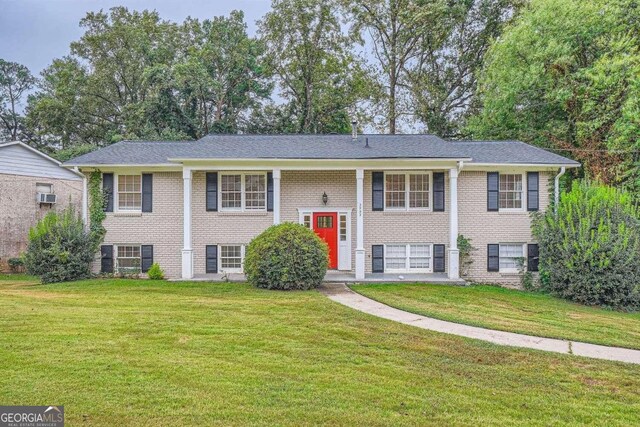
(511,310)
(126,352)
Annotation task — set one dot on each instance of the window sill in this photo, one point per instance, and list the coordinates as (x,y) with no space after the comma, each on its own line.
(512,212)
(509,273)
(411,212)
(242,213)
(127,213)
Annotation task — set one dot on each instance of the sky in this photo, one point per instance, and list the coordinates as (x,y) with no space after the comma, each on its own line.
(34,32)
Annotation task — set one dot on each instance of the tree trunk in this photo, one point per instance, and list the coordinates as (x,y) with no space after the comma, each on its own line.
(392,101)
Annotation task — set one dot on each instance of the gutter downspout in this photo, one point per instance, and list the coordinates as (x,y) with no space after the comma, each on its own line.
(557,189)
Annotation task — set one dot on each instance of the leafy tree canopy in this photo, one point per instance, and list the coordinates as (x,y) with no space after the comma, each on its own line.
(566,74)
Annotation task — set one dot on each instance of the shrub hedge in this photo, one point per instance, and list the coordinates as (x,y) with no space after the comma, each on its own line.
(286,256)
(59,249)
(589,250)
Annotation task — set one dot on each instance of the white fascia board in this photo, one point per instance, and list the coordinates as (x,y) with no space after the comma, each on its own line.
(513,166)
(318,164)
(166,167)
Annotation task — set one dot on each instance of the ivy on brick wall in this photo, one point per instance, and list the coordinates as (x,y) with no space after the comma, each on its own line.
(97,201)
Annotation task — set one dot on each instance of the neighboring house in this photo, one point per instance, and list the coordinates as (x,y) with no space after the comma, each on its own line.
(390,204)
(31,184)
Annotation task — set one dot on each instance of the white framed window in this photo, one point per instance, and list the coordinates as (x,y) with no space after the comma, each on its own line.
(306,220)
(407,190)
(129,192)
(128,258)
(511,192)
(41,187)
(343,228)
(231,258)
(243,191)
(408,258)
(511,257)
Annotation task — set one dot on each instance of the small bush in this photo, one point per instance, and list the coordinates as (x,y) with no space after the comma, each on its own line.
(466,251)
(60,249)
(16,265)
(155,272)
(286,256)
(589,250)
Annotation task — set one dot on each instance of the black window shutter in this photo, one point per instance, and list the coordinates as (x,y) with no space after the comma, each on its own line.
(438,259)
(107,189)
(493,190)
(532,257)
(533,191)
(147,192)
(212,259)
(147,257)
(493,257)
(212,191)
(377,259)
(377,188)
(106,259)
(270,191)
(438,191)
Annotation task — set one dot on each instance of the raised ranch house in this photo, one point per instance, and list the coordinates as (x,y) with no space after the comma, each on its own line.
(387,205)
(31,184)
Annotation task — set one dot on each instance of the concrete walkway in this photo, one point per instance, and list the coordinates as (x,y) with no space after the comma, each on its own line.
(339,292)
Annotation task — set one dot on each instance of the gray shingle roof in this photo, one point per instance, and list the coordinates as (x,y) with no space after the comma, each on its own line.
(318,147)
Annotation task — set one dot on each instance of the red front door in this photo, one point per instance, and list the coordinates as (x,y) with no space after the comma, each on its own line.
(325,224)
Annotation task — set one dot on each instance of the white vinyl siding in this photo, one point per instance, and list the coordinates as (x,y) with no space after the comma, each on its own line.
(408,258)
(18,160)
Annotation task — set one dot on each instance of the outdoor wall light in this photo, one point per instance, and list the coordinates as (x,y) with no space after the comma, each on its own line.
(325,198)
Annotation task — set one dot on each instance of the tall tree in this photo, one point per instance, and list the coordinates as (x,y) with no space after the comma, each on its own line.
(222,76)
(15,81)
(443,75)
(566,75)
(321,81)
(394,32)
(98,93)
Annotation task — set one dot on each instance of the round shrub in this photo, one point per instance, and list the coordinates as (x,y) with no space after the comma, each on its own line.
(60,249)
(155,272)
(286,256)
(589,250)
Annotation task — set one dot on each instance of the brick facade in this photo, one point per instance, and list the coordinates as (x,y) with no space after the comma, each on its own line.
(303,189)
(484,227)
(161,228)
(19,209)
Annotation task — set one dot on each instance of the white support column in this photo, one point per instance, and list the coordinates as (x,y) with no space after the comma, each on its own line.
(454,253)
(85,200)
(187,250)
(360,253)
(276,196)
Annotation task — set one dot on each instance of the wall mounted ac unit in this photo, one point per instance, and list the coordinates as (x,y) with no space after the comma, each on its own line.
(47,198)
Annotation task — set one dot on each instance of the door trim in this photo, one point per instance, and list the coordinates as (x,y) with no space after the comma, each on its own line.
(345,250)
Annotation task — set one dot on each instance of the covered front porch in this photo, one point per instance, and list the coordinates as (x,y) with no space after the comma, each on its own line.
(346,205)
(334,276)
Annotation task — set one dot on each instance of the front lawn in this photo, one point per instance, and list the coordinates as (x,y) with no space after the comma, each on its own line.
(511,310)
(126,352)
